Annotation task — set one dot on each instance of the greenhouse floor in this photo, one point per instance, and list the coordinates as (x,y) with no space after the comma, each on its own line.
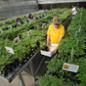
(28,79)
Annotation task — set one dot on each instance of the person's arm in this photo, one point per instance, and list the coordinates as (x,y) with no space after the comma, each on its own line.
(48,37)
(48,41)
(62,33)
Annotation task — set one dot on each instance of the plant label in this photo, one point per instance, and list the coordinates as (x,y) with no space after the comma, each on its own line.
(70,67)
(9,50)
(46,53)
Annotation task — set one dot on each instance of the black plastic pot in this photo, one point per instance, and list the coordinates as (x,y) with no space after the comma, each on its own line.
(6,28)
(45,48)
(14,26)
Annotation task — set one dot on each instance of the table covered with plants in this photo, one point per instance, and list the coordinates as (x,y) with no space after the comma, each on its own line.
(31,36)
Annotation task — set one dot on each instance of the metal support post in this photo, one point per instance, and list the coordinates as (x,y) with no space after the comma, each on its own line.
(21,80)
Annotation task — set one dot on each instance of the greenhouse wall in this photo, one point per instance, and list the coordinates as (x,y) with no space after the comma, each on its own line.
(62,5)
(58,1)
(9,8)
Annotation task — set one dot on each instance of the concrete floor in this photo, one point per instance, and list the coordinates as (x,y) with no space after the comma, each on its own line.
(28,79)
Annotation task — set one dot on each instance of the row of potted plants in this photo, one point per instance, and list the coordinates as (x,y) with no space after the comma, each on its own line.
(26,37)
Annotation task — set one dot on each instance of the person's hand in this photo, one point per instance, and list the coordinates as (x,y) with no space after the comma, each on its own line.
(48,46)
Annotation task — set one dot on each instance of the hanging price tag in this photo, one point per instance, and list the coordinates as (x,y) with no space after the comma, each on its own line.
(9,50)
(70,67)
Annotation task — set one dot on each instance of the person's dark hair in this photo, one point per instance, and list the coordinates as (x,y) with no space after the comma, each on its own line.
(30,16)
(19,20)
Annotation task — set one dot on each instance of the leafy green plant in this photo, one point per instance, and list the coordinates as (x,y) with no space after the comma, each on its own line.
(49,80)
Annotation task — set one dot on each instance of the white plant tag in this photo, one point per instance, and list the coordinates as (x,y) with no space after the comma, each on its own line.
(46,53)
(9,50)
(70,67)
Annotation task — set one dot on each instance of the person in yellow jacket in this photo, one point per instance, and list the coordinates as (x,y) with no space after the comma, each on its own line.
(55,34)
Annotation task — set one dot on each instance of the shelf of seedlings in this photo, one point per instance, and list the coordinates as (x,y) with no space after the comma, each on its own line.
(31,39)
(72,50)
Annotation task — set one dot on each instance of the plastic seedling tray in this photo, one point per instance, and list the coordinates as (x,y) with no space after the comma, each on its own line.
(70,67)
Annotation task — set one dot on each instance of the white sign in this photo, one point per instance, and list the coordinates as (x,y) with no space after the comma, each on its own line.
(9,50)
(46,53)
(70,67)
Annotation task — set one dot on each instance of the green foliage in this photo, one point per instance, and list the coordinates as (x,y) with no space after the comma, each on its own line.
(82,69)
(29,33)
(55,65)
(72,49)
(49,80)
